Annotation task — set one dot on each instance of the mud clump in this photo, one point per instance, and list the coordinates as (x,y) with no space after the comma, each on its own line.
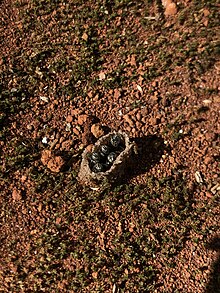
(52,162)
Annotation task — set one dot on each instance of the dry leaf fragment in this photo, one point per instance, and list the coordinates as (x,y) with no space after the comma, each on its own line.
(139,88)
(198,177)
(114,289)
(45,99)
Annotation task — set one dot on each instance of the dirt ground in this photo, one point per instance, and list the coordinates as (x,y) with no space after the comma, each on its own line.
(71,71)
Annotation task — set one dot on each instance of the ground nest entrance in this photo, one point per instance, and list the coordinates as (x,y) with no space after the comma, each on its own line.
(108,159)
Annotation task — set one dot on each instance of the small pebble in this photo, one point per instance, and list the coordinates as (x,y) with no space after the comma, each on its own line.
(76,131)
(138,116)
(89,147)
(128,119)
(209,194)
(69,119)
(97,130)
(171,9)
(16,194)
(128,129)
(82,119)
(30,127)
(154,121)
(138,125)
(207,160)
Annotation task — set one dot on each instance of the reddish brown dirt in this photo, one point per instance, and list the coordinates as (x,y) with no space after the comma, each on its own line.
(150,84)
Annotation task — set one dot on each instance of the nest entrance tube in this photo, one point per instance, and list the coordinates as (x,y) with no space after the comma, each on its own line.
(107,161)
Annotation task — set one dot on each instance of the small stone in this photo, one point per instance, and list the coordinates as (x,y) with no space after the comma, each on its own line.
(44,99)
(55,164)
(102,75)
(216,99)
(165,102)
(154,121)
(206,12)
(215,188)
(138,116)
(66,145)
(95,275)
(172,160)
(133,60)
(85,37)
(128,119)
(209,194)
(207,102)
(97,130)
(69,119)
(171,9)
(89,147)
(210,136)
(128,129)
(205,22)
(144,119)
(166,2)
(76,131)
(23,178)
(154,99)
(90,94)
(53,144)
(138,125)
(117,94)
(82,119)
(30,127)
(207,160)
(45,157)
(16,194)
(87,136)
(162,120)
(74,112)
(144,128)
(139,88)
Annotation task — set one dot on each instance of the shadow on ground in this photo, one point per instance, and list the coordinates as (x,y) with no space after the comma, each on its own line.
(214,281)
(150,150)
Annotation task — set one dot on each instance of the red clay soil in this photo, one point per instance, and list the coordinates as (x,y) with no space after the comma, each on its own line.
(71,72)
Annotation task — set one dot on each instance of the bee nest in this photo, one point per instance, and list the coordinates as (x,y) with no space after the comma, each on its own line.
(108,159)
